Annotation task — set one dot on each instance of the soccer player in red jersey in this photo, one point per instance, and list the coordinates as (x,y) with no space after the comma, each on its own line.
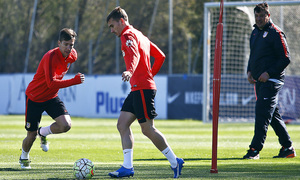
(139,104)
(42,94)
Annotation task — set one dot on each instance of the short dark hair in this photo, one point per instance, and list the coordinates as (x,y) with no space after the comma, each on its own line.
(66,34)
(262,7)
(117,14)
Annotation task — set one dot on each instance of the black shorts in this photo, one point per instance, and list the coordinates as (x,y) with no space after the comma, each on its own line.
(141,104)
(34,110)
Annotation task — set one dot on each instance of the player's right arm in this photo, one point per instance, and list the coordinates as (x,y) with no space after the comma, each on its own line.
(54,83)
(131,55)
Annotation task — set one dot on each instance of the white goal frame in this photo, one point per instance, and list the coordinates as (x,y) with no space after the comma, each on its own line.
(207,83)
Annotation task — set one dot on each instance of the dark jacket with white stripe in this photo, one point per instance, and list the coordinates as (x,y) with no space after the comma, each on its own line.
(268,52)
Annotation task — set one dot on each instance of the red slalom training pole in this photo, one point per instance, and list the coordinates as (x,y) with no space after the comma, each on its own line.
(216,89)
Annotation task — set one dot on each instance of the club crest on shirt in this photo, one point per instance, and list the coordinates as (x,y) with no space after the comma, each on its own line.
(129,43)
(265,34)
(28,124)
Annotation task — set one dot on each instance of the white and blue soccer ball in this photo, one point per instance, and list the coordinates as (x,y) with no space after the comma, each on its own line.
(83,169)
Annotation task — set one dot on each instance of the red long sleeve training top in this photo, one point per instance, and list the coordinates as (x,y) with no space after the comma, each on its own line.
(48,78)
(136,50)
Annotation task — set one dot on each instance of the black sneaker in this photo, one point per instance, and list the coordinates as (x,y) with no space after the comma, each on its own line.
(286,153)
(252,154)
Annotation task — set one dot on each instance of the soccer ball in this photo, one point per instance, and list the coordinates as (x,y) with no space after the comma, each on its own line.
(84,169)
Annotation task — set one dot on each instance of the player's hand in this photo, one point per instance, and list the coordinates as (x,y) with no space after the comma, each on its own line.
(250,78)
(126,75)
(82,78)
(264,77)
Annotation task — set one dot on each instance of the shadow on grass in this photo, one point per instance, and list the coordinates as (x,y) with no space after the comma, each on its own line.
(49,172)
(52,172)
(228,171)
(188,159)
(235,168)
(11,169)
(256,169)
(244,169)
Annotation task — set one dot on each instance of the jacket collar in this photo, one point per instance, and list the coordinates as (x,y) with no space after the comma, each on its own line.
(265,27)
(127,27)
(70,59)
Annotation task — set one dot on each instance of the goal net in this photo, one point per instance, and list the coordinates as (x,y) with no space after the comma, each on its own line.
(237,98)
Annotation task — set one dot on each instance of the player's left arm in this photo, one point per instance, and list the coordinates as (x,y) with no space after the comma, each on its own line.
(159,57)
(282,53)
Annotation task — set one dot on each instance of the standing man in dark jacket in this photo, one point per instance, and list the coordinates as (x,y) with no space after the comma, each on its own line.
(269,56)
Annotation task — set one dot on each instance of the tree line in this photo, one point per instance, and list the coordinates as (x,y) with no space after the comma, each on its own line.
(94,41)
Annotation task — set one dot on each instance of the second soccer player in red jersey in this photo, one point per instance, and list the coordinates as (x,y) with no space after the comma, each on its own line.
(41,94)
(139,104)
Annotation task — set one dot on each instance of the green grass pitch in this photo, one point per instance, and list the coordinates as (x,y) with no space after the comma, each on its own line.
(99,141)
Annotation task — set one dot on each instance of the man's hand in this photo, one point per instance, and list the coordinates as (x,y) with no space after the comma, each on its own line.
(126,75)
(82,78)
(264,77)
(250,78)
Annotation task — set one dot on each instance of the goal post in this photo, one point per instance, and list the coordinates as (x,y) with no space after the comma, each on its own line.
(237,98)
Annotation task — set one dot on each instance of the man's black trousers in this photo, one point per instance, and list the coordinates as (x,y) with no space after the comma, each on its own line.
(267,112)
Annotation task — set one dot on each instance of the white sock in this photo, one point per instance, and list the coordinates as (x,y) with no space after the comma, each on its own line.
(24,155)
(128,158)
(170,156)
(44,131)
